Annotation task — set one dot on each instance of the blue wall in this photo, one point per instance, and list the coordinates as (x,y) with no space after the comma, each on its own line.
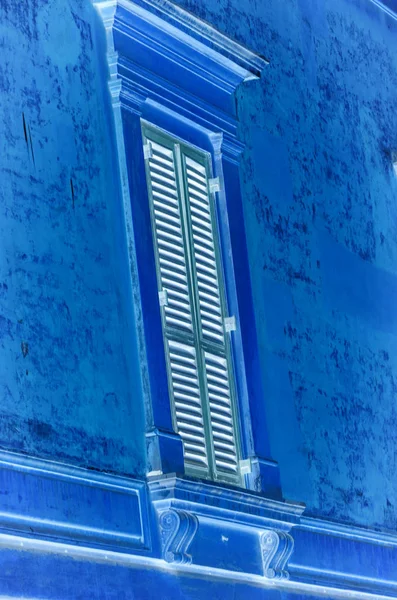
(82,580)
(321,216)
(70,382)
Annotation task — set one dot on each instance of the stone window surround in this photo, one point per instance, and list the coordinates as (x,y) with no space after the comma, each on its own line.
(179,73)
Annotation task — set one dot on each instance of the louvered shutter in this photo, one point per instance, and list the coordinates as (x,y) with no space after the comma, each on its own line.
(187,400)
(215,356)
(204,251)
(198,358)
(169,238)
(177,311)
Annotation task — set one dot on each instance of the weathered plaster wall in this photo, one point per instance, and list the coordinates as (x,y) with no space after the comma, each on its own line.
(69,380)
(321,214)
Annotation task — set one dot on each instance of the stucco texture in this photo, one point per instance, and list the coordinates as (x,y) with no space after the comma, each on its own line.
(320,207)
(70,386)
(321,213)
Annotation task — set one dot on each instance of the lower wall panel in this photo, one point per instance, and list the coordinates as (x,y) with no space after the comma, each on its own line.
(48,500)
(344,557)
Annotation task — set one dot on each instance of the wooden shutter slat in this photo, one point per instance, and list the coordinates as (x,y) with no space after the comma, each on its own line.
(187,398)
(161,175)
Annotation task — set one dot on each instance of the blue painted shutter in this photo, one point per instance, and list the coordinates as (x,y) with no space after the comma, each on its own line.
(207,277)
(177,312)
(189,278)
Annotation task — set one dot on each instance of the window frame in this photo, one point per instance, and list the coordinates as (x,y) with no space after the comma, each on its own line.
(178,72)
(180,149)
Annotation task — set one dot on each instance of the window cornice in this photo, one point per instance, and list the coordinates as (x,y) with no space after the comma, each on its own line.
(171,32)
(160,54)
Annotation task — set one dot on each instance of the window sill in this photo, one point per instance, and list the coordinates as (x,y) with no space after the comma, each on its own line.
(218,526)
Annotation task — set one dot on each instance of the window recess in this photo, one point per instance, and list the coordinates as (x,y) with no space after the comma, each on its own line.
(192,299)
(179,74)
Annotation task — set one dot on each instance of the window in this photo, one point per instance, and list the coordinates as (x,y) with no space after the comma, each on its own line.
(193,304)
(172,79)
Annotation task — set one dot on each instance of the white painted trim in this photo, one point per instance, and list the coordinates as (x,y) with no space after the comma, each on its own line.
(385,8)
(190,29)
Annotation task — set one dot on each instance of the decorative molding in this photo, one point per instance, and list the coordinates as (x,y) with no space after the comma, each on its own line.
(177,530)
(107,11)
(230,519)
(145,90)
(388,6)
(53,501)
(281,545)
(350,532)
(241,507)
(329,560)
(49,552)
(207,34)
(231,149)
(114,82)
(276,547)
(167,54)
(338,555)
(183,26)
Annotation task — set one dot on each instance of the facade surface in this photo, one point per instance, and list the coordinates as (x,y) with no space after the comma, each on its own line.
(296,103)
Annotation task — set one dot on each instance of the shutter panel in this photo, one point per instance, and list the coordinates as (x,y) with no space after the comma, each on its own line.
(187,401)
(204,251)
(216,367)
(178,321)
(222,423)
(169,237)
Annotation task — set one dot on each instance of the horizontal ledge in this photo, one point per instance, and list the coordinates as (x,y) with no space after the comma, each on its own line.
(355,583)
(54,522)
(351,532)
(226,45)
(222,501)
(43,466)
(215,574)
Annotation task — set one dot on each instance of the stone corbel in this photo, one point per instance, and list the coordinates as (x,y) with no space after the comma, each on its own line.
(177,530)
(276,548)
